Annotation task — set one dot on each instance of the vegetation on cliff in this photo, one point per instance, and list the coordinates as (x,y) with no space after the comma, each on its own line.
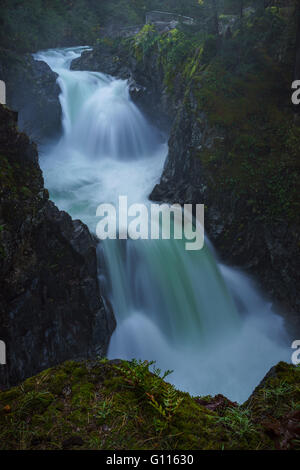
(242,83)
(29,26)
(123,406)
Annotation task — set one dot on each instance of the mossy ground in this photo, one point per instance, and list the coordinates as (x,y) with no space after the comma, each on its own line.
(119,405)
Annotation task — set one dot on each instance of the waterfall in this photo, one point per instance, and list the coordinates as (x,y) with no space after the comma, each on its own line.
(183,309)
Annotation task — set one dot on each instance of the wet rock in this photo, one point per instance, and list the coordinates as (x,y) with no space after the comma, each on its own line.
(275,405)
(51,307)
(104,59)
(285,431)
(33,92)
(219,403)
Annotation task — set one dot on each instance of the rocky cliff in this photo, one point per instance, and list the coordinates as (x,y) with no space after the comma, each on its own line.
(51,308)
(32,91)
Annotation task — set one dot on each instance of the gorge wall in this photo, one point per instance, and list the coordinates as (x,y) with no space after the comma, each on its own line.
(32,91)
(51,308)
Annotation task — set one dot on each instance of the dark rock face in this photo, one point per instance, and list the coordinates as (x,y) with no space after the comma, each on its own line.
(51,308)
(269,251)
(32,91)
(101,59)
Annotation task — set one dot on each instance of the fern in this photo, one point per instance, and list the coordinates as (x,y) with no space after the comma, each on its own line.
(170,403)
(137,375)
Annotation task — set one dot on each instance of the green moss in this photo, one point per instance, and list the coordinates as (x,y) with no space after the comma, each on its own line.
(126,406)
(58,382)
(278,394)
(34,402)
(82,394)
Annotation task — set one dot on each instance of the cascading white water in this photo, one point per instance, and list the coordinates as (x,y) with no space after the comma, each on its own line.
(173,306)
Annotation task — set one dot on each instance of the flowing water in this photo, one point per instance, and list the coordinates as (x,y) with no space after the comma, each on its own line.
(181,308)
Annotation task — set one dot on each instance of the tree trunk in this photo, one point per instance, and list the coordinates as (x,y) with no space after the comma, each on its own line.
(216,16)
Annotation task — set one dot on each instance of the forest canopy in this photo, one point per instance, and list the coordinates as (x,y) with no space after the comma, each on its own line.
(26,26)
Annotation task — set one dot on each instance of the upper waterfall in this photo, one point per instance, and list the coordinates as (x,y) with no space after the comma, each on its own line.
(99,118)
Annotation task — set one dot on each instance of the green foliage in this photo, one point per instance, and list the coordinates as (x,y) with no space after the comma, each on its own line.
(103,410)
(238,421)
(152,386)
(144,41)
(28,26)
(276,393)
(125,406)
(34,401)
(243,89)
(279,394)
(137,374)
(172,50)
(167,409)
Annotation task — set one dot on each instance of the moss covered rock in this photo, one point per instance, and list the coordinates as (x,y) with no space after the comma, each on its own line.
(119,405)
